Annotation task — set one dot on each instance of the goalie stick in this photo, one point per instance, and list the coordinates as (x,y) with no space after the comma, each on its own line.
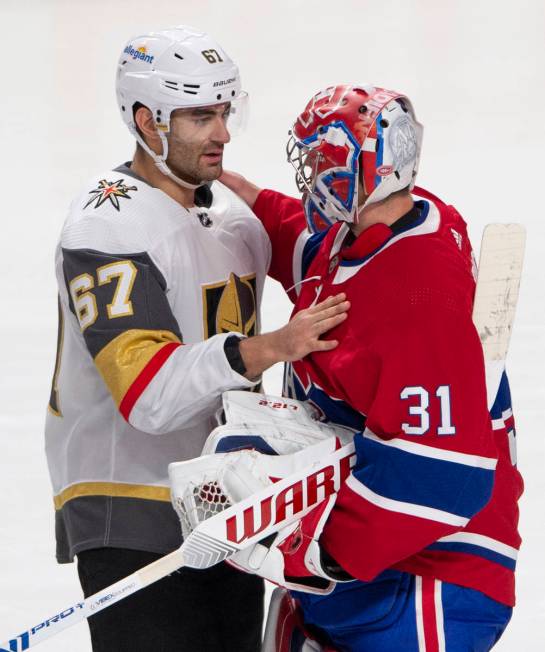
(293,496)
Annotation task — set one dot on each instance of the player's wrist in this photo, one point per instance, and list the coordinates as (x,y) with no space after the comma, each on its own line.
(258,353)
(231,347)
(327,566)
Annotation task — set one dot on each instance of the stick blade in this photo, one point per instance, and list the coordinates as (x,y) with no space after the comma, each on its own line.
(500,269)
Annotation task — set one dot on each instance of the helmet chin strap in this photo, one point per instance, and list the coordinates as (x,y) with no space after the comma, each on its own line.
(163,167)
(160,161)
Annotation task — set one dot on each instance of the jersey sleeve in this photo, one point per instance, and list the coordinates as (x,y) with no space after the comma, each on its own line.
(158,383)
(426,459)
(293,246)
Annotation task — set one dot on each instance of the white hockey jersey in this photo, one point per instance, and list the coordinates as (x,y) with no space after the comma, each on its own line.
(148,294)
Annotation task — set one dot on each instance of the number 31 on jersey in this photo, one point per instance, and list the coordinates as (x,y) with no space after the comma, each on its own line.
(420,425)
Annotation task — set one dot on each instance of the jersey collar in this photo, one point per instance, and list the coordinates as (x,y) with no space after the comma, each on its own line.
(356,250)
(379,236)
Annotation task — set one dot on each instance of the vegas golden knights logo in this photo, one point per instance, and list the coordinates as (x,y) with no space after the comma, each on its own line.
(230,306)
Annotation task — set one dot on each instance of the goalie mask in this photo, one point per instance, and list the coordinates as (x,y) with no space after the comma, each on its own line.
(348,134)
(176,68)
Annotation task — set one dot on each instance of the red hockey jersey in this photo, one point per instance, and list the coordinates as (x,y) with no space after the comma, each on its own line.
(435,488)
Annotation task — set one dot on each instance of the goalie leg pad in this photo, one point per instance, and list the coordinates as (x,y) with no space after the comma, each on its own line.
(285,631)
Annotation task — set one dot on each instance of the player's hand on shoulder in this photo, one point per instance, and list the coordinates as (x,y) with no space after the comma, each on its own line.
(302,334)
(245,189)
(299,337)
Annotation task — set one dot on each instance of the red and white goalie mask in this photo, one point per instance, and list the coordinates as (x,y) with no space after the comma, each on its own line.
(348,134)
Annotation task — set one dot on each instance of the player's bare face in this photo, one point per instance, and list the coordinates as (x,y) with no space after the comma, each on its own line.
(196,141)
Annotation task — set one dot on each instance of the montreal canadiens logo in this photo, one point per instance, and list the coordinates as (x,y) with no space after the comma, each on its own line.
(385,170)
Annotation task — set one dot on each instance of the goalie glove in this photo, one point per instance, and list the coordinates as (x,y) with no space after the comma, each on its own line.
(278,426)
(293,557)
(245,455)
(272,425)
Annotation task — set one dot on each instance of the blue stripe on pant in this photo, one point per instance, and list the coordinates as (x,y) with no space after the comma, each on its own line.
(381,616)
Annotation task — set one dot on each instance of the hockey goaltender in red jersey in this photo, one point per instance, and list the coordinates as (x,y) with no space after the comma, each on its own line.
(422,538)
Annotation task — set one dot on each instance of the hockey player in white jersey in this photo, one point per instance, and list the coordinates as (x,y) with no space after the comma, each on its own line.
(160,275)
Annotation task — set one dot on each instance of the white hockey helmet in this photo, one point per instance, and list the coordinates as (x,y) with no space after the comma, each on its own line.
(171,69)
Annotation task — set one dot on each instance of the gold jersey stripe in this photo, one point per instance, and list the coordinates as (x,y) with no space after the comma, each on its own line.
(121,361)
(116,489)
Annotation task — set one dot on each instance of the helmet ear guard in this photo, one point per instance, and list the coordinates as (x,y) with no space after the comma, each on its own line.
(394,163)
(357,134)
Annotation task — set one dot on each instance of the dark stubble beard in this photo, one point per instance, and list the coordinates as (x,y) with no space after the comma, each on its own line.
(185,163)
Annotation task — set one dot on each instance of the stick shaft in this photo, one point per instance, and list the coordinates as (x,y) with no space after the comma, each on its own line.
(95,603)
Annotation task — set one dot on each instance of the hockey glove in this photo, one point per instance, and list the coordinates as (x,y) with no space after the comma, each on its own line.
(275,426)
(293,557)
(272,425)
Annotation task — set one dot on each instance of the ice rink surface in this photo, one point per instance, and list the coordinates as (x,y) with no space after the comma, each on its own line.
(475,70)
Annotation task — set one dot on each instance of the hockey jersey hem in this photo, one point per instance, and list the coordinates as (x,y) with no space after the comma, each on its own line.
(112,489)
(101,521)
(471,571)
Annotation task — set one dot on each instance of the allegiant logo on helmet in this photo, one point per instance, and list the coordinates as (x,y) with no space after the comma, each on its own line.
(139,53)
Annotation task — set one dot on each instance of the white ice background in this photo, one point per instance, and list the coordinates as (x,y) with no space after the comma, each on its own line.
(475,72)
